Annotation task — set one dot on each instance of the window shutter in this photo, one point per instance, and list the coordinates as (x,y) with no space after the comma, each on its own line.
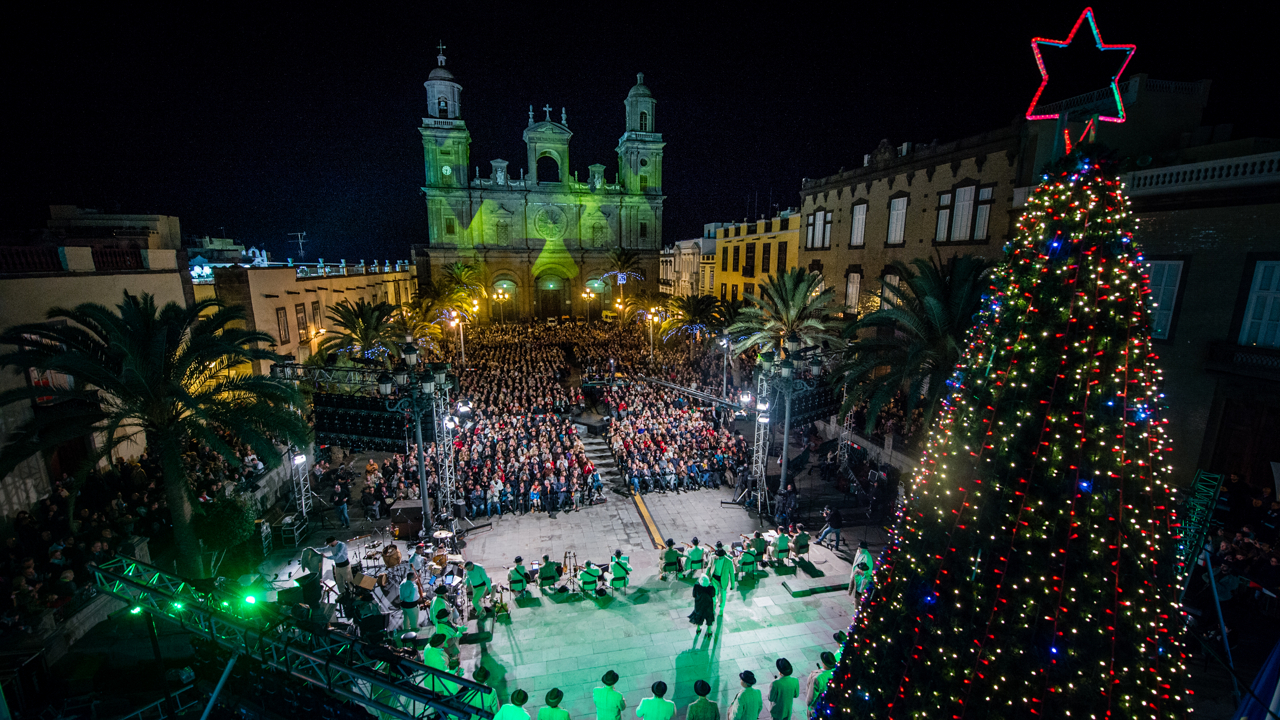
(857,234)
(962,223)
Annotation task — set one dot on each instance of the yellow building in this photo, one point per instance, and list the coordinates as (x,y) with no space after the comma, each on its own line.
(748,253)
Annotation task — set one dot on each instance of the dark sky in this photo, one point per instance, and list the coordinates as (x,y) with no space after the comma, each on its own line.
(267,124)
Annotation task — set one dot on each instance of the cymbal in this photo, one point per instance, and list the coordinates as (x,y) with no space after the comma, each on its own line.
(442,534)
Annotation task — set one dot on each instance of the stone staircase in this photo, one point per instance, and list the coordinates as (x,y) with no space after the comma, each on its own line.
(598,452)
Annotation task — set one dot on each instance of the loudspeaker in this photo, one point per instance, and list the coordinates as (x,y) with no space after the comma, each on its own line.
(308,588)
(293,595)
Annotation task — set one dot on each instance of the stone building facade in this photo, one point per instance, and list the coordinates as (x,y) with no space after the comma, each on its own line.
(541,234)
(748,253)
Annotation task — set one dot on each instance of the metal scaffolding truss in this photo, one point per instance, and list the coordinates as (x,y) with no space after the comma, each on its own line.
(444,451)
(341,664)
(1193,523)
(760,451)
(297,372)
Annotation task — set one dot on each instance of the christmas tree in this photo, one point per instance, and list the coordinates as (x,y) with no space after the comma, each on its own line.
(1028,573)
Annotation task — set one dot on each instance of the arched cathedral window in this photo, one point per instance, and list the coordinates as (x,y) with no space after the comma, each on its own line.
(644,122)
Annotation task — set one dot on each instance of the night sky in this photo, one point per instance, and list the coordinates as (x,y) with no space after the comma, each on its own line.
(253,125)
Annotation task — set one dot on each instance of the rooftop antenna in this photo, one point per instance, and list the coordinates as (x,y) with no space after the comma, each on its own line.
(301,238)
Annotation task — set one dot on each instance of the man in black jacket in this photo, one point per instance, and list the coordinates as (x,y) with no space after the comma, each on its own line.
(834,521)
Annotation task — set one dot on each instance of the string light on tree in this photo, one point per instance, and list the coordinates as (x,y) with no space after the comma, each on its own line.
(1026,575)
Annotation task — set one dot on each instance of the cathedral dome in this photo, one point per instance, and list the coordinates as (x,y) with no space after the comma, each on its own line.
(440,74)
(640,90)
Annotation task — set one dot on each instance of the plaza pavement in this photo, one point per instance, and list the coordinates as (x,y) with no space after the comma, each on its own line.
(562,640)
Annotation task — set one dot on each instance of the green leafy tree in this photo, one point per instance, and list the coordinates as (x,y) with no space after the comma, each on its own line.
(463,278)
(366,330)
(1027,575)
(912,343)
(787,303)
(225,523)
(165,376)
(623,265)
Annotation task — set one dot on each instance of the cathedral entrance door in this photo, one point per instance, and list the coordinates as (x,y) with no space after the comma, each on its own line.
(551,297)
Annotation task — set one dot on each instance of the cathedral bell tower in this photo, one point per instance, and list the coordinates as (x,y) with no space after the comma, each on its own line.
(446,143)
(640,170)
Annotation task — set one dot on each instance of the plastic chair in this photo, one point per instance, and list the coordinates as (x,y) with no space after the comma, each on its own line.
(747,563)
(798,548)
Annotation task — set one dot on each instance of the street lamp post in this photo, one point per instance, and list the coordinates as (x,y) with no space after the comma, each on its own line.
(588,295)
(724,383)
(653,318)
(418,400)
(502,296)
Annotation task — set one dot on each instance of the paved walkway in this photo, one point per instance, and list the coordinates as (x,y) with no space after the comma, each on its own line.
(562,640)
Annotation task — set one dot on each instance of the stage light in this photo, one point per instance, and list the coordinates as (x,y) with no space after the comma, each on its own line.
(136,609)
(250,599)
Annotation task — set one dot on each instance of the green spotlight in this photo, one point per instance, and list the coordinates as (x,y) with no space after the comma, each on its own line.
(177,606)
(135,610)
(250,599)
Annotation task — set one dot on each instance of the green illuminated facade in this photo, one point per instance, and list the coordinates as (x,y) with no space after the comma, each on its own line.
(541,235)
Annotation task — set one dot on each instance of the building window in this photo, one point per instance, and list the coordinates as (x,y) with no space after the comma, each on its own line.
(764,257)
(748,289)
(1262,315)
(944,217)
(724,260)
(858,225)
(300,312)
(982,216)
(724,291)
(962,219)
(852,289)
(315,315)
(736,251)
(818,235)
(733,293)
(644,183)
(1164,276)
(644,121)
(887,296)
(442,106)
(897,220)
(397,286)
(502,233)
(644,229)
(282,326)
(749,262)
(448,226)
(782,257)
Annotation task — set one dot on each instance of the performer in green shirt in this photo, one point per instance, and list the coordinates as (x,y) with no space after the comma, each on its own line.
(480,584)
(748,704)
(552,710)
(518,578)
(723,576)
(781,546)
(820,678)
(702,708)
(514,710)
(483,701)
(671,560)
(609,702)
(784,690)
(619,568)
(656,707)
(695,558)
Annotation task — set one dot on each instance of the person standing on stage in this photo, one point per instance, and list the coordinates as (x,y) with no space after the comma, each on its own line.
(818,679)
(409,599)
(441,602)
(656,707)
(723,576)
(702,708)
(480,584)
(748,704)
(514,710)
(552,709)
(783,692)
(704,603)
(694,557)
(337,552)
(340,498)
(860,577)
(609,702)
(619,568)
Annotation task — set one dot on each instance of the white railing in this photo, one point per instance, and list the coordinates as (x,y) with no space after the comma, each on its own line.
(1260,169)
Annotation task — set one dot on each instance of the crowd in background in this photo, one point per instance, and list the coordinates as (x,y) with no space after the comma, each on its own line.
(1245,555)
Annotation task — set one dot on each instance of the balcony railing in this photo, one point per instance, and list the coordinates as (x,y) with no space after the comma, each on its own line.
(1260,169)
(1245,360)
(116,259)
(14,260)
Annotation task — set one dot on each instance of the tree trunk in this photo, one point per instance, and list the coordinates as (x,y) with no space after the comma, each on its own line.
(178,495)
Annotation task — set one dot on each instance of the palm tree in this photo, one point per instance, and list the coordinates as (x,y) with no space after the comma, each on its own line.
(464,278)
(789,303)
(692,315)
(436,302)
(410,322)
(915,338)
(366,330)
(163,375)
(624,265)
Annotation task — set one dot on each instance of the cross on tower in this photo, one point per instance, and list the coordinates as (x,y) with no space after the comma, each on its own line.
(440,57)
(547,110)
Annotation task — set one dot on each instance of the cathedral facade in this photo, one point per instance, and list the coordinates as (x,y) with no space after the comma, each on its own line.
(538,233)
